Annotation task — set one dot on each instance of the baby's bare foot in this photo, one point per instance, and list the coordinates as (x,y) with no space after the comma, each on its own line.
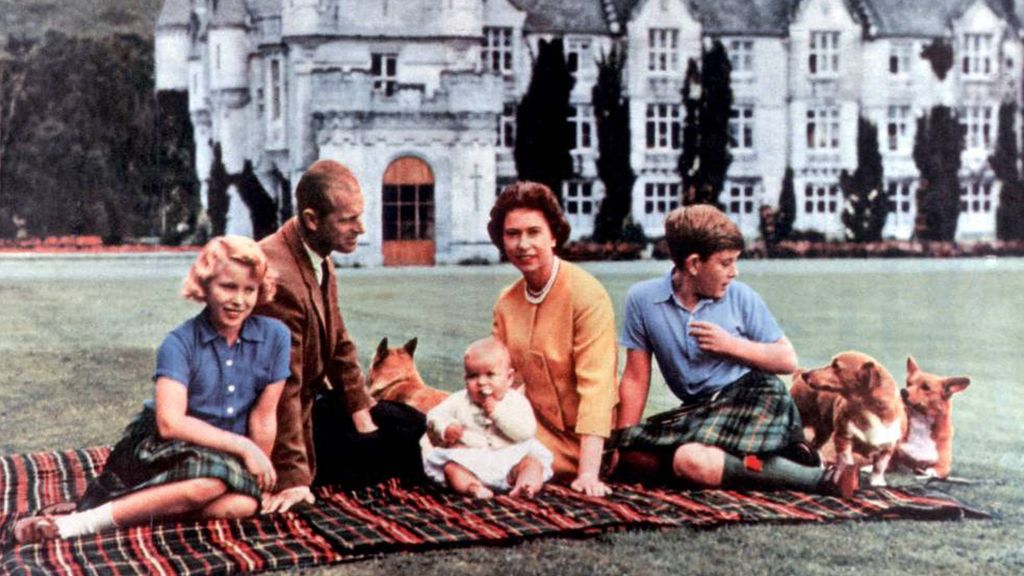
(480,491)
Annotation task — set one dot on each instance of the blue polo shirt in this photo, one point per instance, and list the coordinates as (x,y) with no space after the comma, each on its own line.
(655,322)
(224,381)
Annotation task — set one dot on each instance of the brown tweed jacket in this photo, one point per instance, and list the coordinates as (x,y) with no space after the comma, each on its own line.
(321,359)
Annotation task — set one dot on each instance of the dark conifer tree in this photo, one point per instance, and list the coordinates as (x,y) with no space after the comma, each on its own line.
(611,109)
(217,193)
(716,105)
(1010,214)
(937,147)
(691,126)
(543,137)
(865,205)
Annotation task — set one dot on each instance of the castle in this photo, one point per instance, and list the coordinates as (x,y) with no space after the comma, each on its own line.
(418,97)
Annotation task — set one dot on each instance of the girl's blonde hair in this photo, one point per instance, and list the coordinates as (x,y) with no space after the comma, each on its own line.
(219,251)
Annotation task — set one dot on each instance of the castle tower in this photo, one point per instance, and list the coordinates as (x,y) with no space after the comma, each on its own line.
(171,45)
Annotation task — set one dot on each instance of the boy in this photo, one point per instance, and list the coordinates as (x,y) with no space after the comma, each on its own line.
(481,433)
(719,348)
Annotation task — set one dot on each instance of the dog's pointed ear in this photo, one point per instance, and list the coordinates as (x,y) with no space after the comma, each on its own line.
(955,384)
(410,346)
(382,348)
(869,376)
(911,366)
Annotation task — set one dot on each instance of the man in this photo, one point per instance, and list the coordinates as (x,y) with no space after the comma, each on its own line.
(327,423)
(719,348)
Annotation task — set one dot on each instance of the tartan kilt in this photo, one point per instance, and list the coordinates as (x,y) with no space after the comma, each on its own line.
(753,415)
(142,460)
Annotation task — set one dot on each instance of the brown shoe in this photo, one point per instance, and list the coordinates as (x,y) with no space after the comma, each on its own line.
(840,481)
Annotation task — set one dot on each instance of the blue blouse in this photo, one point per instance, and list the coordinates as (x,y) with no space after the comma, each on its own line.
(224,381)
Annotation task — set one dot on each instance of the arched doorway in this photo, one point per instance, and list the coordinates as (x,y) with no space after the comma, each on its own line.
(408,213)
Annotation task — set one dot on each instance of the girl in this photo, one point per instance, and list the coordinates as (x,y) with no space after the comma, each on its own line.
(200,449)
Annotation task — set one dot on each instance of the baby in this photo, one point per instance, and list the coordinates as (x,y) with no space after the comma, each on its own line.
(480,435)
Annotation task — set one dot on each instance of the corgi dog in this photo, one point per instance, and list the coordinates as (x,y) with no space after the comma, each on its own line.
(854,402)
(928,398)
(394,377)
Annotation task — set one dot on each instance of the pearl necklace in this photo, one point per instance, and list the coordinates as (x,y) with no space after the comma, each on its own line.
(538,297)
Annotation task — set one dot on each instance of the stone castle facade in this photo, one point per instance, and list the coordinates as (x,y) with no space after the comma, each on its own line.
(418,97)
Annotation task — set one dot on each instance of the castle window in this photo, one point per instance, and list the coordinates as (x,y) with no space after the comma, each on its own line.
(900,58)
(660,198)
(977,121)
(275,89)
(823,128)
(739,200)
(507,126)
(823,57)
(579,198)
(977,55)
(897,128)
(741,128)
(663,127)
(582,132)
(899,196)
(496,52)
(578,57)
(821,198)
(976,198)
(741,56)
(384,68)
(663,50)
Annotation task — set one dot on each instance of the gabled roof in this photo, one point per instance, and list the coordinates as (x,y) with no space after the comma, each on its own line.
(564,16)
(174,13)
(755,17)
(228,13)
(930,18)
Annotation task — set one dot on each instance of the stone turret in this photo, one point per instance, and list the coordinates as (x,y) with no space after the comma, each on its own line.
(228,45)
(171,45)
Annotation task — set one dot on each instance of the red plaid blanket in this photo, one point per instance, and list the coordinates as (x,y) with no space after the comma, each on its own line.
(353,524)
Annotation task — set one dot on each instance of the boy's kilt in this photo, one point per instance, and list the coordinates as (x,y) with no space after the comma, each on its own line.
(753,415)
(142,460)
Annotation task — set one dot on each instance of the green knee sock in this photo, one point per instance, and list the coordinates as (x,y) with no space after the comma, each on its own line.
(775,472)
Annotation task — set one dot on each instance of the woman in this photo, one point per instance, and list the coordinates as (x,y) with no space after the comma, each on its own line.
(201,448)
(559,326)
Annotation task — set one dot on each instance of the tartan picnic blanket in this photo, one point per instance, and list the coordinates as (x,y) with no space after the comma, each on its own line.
(348,525)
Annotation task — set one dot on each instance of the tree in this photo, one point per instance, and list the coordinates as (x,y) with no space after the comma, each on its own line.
(707,97)
(1010,214)
(865,207)
(716,106)
(262,208)
(543,138)
(688,158)
(937,147)
(13,71)
(176,167)
(787,207)
(611,109)
(217,200)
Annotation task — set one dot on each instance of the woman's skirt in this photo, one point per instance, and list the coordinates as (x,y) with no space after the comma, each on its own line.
(142,460)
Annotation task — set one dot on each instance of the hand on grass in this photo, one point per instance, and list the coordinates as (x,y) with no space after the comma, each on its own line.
(284,500)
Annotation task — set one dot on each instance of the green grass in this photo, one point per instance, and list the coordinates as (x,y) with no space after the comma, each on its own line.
(78,339)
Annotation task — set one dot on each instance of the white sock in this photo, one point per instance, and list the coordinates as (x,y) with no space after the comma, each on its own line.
(87,522)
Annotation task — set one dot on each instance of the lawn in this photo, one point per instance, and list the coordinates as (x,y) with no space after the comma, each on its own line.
(79,335)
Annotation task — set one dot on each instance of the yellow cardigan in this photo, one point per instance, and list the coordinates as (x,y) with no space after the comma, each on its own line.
(564,350)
